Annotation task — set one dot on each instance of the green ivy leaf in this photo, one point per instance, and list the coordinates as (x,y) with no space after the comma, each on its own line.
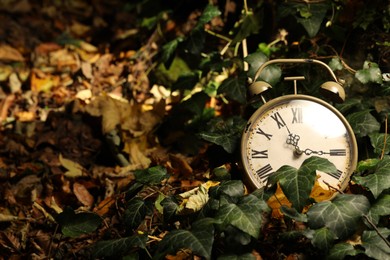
(151,176)
(298,183)
(118,247)
(379,180)
(245,215)
(370,73)
(341,215)
(363,123)
(312,18)
(231,188)
(293,214)
(170,207)
(380,208)
(341,250)
(74,225)
(335,64)
(135,212)
(199,240)
(226,133)
(186,81)
(270,74)
(368,164)
(209,13)
(323,238)
(251,24)
(196,40)
(168,51)
(375,247)
(234,88)
(380,142)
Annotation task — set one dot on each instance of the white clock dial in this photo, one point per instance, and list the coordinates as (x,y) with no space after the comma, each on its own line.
(290,129)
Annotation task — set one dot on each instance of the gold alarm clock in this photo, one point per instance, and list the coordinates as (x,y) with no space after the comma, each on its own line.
(289,129)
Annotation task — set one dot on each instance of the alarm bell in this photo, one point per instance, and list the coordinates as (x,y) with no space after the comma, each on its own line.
(258,87)
(330,89)
(333,91)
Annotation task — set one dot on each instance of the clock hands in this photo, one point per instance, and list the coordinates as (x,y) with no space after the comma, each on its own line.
(293,140)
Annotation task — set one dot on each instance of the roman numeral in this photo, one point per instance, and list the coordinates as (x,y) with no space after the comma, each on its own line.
(336,175)
(259,131)
(337,152)
(297,115)
(278,119)
(264,172)
(259,154)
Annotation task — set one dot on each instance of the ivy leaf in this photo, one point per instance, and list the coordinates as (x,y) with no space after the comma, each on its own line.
(118,247)
(196,40)
(231,188)
(341,215)
(381,207)
(168,51)
(245,215)
(209,13)
(363,123)
(298,183)
(74,225)
(375,247)
(367,164)
(293,214)
(135,212)
(370,73)
(341,250)
(255,60)
(170,207)
(187,81)
(234,88)
(379,180)
(335,64)
(313,17)
(251,24)
(199,240)
(323,238)
(226,133)
(151,176)
(380,142)
(270,74)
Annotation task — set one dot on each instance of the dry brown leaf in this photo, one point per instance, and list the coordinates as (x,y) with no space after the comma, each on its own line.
(45,83)
(83,194)
(180,165)
(8,53)
(104,206)
(276,201)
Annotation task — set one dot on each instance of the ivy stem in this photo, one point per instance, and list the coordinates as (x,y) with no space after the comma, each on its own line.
(376,229)
(384,139)
(218,35)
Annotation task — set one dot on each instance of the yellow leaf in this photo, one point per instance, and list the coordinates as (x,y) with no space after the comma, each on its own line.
(196,198)
(74,169)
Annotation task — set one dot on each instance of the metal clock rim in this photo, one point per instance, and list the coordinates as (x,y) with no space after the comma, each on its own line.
(284,99)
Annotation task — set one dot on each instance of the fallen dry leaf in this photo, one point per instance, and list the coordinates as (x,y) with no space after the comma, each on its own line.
(83,194)
(8,53)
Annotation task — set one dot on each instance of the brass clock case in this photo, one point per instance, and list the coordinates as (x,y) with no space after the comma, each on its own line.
(265,142)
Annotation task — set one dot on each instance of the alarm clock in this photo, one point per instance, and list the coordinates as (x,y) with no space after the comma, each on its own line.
(289,129)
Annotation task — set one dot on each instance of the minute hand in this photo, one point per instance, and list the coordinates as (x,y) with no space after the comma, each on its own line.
(331,152)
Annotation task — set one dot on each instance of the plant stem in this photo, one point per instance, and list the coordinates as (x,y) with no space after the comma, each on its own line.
(384,139)
(376,229)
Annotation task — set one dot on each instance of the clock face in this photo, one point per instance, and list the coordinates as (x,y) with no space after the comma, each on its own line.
(292,128)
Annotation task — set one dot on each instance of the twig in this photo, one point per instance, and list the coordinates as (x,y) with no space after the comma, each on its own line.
(385,140)
(376,229)
(336,189)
